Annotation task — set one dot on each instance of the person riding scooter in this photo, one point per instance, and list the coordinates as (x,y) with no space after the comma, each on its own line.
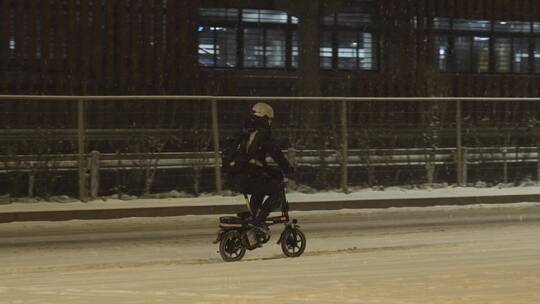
(247,169)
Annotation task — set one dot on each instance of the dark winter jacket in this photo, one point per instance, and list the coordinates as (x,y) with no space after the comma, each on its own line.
(247,161)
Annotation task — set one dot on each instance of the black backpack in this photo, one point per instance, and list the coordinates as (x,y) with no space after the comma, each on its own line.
(233,157)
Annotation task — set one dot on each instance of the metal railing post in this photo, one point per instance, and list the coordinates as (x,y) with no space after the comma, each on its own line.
(464,168)
(217,155)
(344,148)
(81,150)
(94,174)
(505,165)
(459,148)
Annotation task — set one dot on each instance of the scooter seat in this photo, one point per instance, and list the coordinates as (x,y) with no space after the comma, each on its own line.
(243,215)
(231,221)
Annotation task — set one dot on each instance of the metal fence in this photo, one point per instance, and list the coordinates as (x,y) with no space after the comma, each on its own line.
(89,146)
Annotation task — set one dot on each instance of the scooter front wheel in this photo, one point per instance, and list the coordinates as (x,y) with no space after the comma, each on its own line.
(293,242)
(231,248)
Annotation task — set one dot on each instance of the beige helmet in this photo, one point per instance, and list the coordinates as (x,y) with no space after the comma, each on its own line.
(262,109)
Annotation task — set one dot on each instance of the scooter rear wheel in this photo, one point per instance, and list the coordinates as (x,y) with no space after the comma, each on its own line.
(231,248)
(293,242)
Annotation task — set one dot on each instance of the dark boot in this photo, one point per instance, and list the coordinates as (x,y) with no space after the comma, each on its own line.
(259,221)
(255,203)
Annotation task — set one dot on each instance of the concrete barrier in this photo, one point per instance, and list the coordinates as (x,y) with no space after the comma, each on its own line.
(163,211)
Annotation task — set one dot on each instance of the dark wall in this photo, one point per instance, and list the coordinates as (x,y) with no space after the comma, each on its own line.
(142,47)
(98,47)
(522,10)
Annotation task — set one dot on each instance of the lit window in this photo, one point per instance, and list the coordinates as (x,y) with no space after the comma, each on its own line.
(294,55)
(217,46)
(441,23)
(259,38)
(264,16)
(251,38)
(442,52)
(326,50)
(10,30)
(366,55)
(347,51)
(512,26)
(264,48)
(253,48)
(503,54)
(480,56)
(537,55)
(472,25)
(521,55)
(219,13)
(473,43)
(275,49)
(355,51)
(347,40)
(536,27)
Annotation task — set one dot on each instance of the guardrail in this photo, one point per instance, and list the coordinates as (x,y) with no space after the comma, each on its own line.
(98,162)
(302,158)
(102,211)
(342,156)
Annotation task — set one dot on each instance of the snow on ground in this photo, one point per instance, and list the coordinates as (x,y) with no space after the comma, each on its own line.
(353,256)
(414,255)
(208,199)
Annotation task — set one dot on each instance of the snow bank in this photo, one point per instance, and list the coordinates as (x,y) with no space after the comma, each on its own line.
(177,198)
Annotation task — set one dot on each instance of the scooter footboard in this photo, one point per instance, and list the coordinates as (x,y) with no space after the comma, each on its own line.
(277,219)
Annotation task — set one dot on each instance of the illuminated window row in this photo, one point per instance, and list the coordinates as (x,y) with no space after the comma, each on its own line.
(483,46)
(250,38)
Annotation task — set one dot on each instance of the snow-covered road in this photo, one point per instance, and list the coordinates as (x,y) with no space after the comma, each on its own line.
(410,255)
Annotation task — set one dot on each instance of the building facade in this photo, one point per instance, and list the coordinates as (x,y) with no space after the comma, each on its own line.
(271,47)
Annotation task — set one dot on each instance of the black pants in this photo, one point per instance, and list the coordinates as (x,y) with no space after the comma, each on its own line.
(261,208)
(270,186)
